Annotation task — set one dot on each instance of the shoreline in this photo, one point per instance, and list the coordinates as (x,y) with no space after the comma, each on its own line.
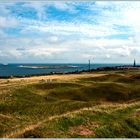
(74,72)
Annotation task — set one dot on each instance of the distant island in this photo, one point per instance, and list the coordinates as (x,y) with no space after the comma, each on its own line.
(48,67)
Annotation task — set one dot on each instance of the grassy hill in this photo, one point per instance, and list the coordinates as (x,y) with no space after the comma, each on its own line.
(106,106)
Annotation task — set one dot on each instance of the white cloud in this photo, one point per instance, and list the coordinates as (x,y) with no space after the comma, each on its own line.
(107,55)
(63,28)
(41,6)
(2,34)
(8,22)
(38,6)
(6,54)
(72,49)
(74,39)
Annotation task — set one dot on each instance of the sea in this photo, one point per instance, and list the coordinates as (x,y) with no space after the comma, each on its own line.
(38,69)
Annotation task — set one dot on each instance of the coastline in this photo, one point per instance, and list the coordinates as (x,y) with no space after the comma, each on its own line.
(107,68)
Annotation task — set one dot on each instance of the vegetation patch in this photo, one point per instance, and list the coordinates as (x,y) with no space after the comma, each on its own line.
(111,108)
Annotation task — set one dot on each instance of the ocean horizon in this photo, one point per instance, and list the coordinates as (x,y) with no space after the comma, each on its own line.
(26,69)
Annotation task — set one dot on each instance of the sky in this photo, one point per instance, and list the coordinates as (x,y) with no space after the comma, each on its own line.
(69,32)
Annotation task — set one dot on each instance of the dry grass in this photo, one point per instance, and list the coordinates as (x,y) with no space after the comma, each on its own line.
(75,105)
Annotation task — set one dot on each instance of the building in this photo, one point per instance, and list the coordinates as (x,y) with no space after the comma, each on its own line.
(134,65)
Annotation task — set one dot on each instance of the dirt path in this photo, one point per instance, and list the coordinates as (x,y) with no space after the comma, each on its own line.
(21,131)
(5,116)
(96,108)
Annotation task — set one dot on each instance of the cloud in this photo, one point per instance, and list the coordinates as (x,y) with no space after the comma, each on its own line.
(63,28)
(8,22)
(26,54)
(108,31)
(41,7)
(2,34)
(57,47)
(38,6)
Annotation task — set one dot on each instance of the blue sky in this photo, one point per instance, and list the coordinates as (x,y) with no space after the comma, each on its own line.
(67,32)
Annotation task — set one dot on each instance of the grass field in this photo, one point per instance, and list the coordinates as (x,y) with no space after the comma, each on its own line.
(96,105)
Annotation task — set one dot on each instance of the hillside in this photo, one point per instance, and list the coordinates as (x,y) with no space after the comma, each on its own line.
(98,104)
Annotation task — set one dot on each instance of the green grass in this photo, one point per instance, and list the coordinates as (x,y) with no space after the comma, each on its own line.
(112,124)
(33,103)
